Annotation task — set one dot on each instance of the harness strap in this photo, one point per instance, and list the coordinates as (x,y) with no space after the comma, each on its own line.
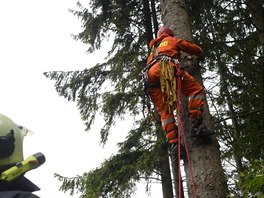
(153,85)
(153,62)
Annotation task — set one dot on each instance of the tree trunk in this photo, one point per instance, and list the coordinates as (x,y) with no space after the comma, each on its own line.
(164,165)
(166,180)
(235,125)
(154,16)
(175,168)
(147,21)
(204,158)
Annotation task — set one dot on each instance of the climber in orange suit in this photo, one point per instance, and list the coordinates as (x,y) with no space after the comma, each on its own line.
(167,45)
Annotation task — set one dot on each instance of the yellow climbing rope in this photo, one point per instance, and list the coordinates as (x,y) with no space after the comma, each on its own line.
(168,84)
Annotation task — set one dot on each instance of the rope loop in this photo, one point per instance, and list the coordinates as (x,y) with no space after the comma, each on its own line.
(168,83)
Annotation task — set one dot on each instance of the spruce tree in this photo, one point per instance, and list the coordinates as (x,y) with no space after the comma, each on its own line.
(232,40)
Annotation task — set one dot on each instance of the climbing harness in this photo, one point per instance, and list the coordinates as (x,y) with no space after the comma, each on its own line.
(147,86)
(167,81)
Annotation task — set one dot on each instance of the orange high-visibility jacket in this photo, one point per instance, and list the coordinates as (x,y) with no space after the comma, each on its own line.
(172,46)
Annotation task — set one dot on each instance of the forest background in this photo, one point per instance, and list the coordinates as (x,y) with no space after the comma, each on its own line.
(231,35)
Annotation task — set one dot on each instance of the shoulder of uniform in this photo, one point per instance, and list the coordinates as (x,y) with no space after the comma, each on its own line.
(184,40)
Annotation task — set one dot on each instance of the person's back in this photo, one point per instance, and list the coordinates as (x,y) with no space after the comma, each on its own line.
(20,187)
(171,46)
(17,194)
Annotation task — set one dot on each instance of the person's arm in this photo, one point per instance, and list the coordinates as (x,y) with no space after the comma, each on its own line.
(190,48)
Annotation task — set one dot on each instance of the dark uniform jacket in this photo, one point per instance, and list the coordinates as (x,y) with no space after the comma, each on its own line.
(18,188)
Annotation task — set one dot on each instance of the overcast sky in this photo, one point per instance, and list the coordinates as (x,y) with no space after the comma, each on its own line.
(34,38)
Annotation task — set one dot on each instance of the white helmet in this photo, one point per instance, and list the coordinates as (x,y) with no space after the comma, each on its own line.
(11,141)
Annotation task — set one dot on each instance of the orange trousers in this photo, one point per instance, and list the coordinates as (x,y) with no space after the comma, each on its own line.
(189,87)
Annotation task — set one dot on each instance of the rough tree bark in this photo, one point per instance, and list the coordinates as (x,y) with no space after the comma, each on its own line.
(205,158)
(164,165)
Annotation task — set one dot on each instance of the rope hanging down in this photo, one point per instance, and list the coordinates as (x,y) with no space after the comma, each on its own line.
(181,131)
(170,82)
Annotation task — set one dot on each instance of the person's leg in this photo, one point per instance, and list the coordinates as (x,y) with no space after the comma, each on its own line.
(167,119)
(192,89)
(195,92)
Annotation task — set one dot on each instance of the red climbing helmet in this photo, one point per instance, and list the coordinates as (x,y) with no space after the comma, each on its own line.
(165,30)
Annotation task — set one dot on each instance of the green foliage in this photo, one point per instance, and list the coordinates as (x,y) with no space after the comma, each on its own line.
(74,185)
(103,18)
(111,89)
(120,73)
(117,176)
(253,179)
(234,55)
(234,52)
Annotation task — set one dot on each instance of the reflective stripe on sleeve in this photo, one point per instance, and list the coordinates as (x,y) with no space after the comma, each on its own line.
(167,121)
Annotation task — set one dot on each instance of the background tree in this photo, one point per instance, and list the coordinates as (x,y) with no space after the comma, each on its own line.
(235,54)
(141,155)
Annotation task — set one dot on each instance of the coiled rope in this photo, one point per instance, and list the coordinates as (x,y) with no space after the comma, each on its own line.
(168,83)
